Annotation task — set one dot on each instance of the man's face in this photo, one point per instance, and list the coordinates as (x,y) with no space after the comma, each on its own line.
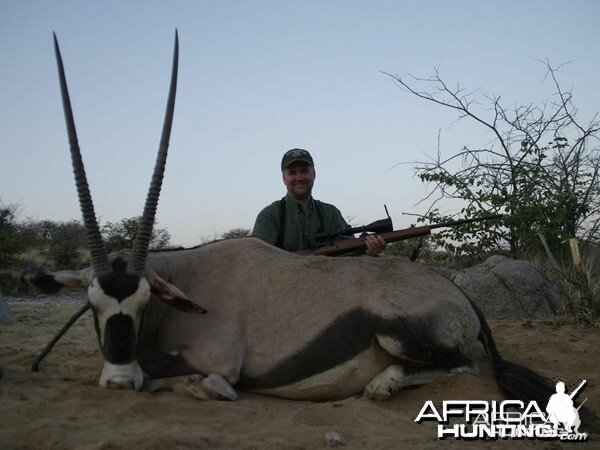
(299,178)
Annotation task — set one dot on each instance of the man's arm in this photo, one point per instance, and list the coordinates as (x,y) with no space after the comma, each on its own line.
(266,227)
(338,223)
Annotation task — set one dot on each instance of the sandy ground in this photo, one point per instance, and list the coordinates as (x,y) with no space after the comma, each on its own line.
(62,406)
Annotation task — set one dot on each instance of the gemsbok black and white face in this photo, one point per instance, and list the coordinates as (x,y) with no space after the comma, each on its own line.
(119,288)
(118,300)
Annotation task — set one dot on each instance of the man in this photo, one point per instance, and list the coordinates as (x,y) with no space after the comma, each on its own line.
(291,223)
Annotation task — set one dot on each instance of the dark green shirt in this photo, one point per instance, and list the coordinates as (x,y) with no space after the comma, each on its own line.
(300,228)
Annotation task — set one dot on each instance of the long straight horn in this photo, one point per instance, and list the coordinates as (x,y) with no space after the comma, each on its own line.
(142,239)
(94,238)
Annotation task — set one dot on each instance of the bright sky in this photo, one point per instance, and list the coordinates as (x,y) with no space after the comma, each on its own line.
(256,79)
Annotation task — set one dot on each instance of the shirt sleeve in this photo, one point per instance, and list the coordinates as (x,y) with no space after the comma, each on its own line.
(338,223)
(265,227)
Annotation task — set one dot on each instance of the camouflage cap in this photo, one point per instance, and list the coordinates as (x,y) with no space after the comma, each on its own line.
(295,155)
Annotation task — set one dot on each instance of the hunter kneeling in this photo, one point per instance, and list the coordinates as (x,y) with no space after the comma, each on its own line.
(292,222)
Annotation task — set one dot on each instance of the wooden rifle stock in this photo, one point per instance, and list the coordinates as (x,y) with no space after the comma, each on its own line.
(354,245)
(335,248)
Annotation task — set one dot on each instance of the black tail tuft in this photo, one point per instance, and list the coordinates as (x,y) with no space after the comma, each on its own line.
(515,380)
(521,383)
(518,382)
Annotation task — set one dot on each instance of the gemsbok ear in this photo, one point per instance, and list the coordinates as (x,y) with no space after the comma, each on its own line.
(170,295)
(51,283)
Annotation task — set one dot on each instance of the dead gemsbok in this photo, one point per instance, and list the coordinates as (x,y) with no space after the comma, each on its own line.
(300,327)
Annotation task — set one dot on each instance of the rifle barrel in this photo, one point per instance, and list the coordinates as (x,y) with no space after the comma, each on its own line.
(462,222)
(352,245)
(344,246)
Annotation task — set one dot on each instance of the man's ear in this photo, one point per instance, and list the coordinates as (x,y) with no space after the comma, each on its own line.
(51,283)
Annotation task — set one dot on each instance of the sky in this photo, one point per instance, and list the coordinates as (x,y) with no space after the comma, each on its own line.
(257,78)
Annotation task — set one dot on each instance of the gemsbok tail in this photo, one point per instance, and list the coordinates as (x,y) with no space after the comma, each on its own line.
(515,380)
(521,383)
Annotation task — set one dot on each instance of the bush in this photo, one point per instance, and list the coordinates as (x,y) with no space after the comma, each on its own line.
(11,241)
(120,235)
(420,248)
(541,169)
(66,243)
(236,233)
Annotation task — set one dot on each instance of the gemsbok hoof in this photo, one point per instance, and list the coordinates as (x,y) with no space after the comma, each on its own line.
(218,387)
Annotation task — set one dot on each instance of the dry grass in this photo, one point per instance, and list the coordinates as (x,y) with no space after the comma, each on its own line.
(37,257)
(580,288)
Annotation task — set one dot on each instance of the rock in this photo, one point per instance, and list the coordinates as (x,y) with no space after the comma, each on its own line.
(504,287)
(5,312)
(334,439)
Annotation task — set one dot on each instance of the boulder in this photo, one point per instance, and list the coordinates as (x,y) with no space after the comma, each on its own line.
(504,287)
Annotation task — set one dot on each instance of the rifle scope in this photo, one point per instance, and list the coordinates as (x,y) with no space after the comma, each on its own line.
(379,226)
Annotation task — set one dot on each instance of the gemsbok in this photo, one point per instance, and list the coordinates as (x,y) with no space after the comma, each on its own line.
(299,327)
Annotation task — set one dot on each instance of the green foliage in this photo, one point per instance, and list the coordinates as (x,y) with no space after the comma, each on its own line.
(541,169)
(10,239)
(532,193)
(62,242)
(121,234)
(58,245)
(66,241)
(407,248)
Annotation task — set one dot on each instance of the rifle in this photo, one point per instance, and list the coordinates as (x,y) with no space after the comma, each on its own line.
(334,248)
(379,226)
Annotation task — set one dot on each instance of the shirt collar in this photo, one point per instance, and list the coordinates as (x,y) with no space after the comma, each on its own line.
(295,206)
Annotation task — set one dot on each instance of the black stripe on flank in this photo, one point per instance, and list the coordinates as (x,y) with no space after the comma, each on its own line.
(119,339)
(350,335)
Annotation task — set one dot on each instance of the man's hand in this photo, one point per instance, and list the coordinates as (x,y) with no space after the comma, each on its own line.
(375,245)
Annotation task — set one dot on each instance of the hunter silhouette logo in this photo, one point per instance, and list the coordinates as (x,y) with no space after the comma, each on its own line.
(560,408)
(509,419)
